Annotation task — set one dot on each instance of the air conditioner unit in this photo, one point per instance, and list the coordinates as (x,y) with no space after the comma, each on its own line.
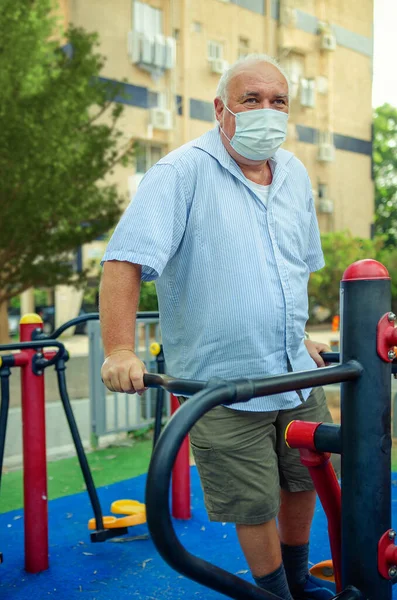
(147,49)
(161,118)
(218,65)
(170,53)
(134,46)
(326,152)
(159,51)
(327,41)
(325,206)
(288,16)
(308,92)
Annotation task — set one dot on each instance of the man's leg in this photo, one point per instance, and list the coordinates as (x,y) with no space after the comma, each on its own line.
(238,466)
(294,522)
(261,547)
(295,517)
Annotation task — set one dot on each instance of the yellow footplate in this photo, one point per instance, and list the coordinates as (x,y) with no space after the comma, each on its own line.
(127,507)
(323,570)
(135,511)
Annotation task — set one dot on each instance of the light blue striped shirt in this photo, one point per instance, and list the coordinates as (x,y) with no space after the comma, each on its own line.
(231,274)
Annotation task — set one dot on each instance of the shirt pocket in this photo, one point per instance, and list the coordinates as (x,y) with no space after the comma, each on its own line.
(292,232)
(302,220)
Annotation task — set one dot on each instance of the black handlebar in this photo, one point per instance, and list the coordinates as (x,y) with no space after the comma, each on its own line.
(214,393)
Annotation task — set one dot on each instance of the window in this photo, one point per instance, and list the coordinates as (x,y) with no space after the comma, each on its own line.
(214,50)
(147,20)
(146,155)
(308,92)
(243,47)
(294,65)
(322,190)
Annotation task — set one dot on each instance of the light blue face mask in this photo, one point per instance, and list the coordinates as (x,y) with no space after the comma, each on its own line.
(259,133)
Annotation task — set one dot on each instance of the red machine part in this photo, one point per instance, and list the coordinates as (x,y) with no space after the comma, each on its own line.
(366,269)
(300,434)
(387,555)
(386,337)
(181,476)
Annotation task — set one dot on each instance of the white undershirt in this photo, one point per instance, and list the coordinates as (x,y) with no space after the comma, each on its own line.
(262,191)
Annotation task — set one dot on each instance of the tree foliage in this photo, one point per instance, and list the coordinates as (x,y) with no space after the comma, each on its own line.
(59,140)
(340,250)
(148,296)
(385,172)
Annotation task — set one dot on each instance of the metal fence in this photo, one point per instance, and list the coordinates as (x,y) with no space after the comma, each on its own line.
(113,412)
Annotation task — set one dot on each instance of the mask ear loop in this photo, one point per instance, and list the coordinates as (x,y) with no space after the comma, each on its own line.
(232,113)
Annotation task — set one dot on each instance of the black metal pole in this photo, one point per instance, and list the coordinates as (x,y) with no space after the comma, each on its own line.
(366,439)
(271,384)
(159,398)
(5,373)
(85,468)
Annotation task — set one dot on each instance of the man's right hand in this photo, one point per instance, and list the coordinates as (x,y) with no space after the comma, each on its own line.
(122,371)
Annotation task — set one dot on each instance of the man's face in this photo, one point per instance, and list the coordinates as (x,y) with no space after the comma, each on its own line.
(255,86)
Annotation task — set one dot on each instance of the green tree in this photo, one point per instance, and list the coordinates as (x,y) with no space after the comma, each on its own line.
(385,172)
(148,296)
(388,257)
(340,250)
(59,140)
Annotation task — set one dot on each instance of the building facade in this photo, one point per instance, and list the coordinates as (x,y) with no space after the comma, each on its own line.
(172,53)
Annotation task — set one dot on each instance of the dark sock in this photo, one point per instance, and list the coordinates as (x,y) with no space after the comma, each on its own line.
(276,583)
(296,564)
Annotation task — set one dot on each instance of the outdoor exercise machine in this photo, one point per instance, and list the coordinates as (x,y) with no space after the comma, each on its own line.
(35,352)
(359,513)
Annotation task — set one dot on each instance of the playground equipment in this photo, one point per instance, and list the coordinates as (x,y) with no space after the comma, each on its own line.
(135,511)
(364,554)
(32,357)
(359,515)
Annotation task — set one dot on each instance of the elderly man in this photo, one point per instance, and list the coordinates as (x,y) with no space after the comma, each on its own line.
(227,227)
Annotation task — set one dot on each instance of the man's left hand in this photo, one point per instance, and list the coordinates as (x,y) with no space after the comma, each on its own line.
(314,349)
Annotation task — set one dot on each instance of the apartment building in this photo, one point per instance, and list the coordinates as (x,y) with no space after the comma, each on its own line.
(172,53)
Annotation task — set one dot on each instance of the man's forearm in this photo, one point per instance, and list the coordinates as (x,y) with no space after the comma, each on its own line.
(118,305)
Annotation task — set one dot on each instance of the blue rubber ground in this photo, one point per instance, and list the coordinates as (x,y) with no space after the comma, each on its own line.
(80,570)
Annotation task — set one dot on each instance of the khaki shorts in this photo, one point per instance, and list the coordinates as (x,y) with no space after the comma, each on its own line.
(243,460)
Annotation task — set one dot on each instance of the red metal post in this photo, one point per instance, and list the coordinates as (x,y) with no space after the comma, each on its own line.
(181,476)
(34,455)
(328,490)
(300,434)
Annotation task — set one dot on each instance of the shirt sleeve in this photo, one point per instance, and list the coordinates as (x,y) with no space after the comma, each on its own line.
(315,257)
(152,227)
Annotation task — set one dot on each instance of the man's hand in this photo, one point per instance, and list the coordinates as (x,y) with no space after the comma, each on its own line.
(123,371)
(314,349)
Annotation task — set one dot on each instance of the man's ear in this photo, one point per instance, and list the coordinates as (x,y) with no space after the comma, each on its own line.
(219,108)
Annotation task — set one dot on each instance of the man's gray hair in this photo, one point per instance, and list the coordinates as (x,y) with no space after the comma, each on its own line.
(250,59)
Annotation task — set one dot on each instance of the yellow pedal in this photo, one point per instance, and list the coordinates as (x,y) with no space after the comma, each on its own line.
(114,522)
(128,507)
(323,570)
